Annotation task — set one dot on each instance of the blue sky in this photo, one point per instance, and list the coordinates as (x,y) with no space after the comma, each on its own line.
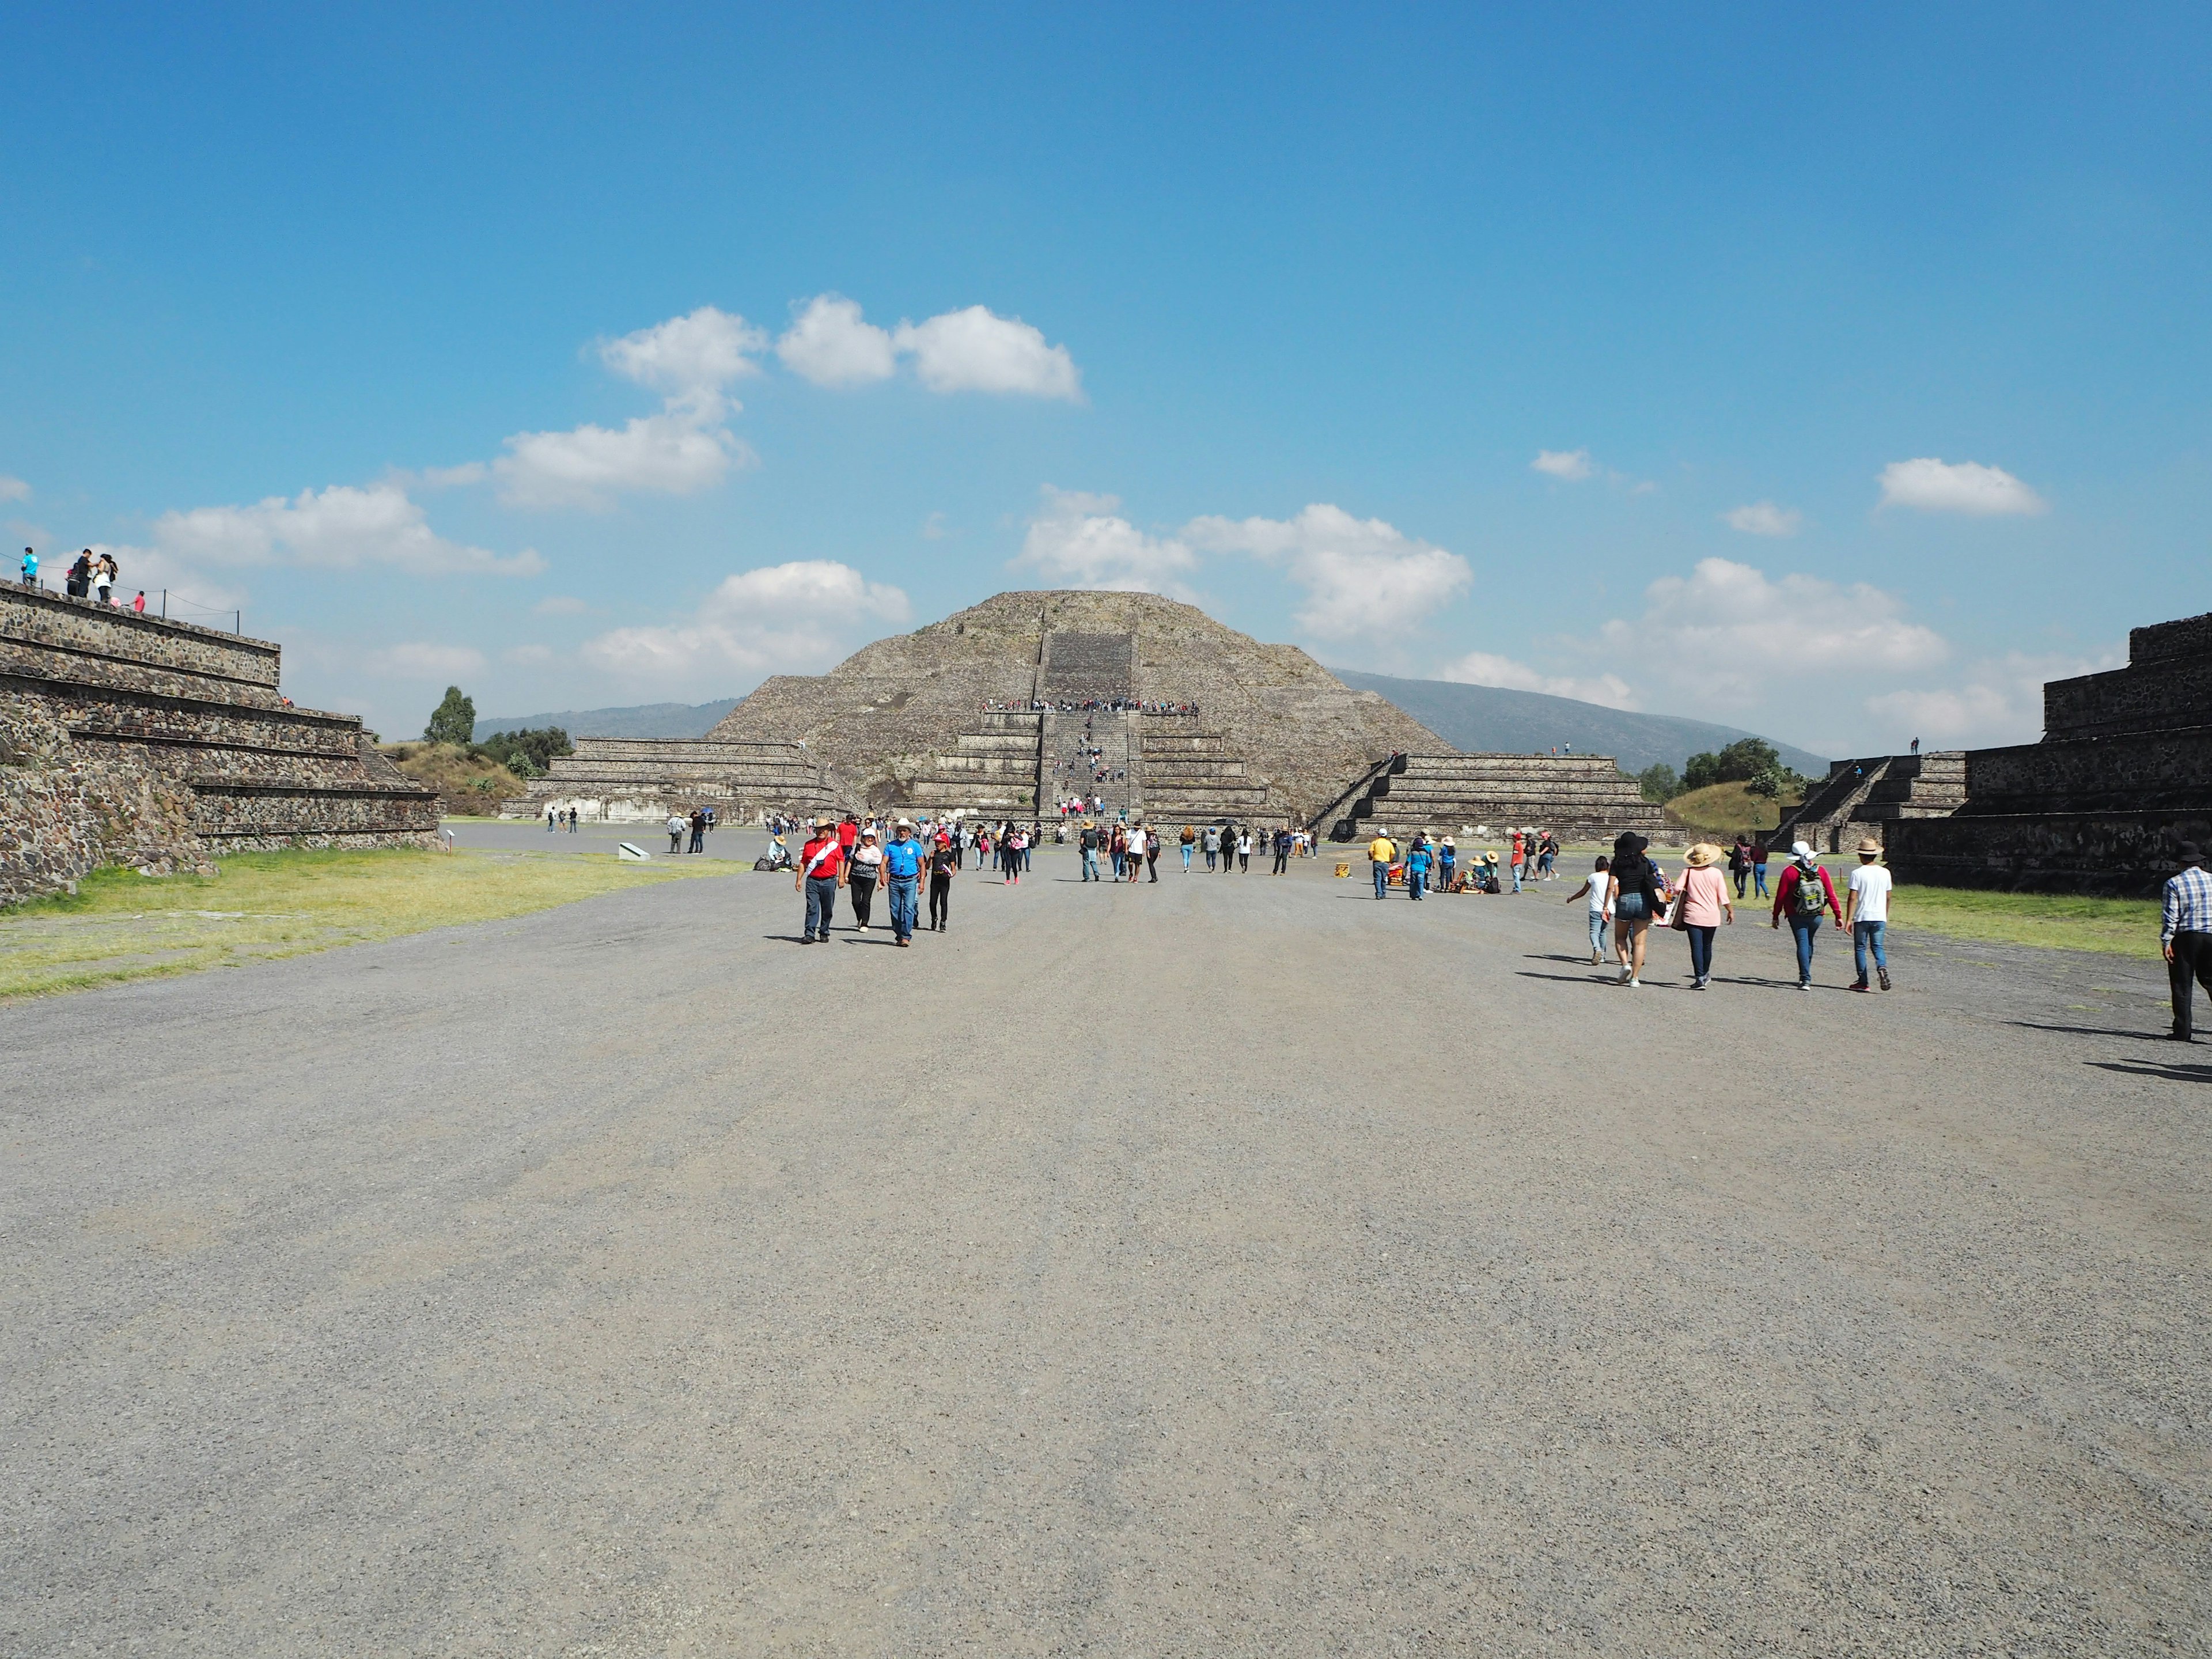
(1438,341)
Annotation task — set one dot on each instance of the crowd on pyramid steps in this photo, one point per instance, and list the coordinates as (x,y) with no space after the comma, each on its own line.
(1092,706)
(93,576)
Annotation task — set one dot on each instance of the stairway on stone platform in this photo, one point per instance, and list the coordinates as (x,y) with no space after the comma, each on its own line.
(1577,797)
(1860,795)
(991,771)
(635,780)
(1190,775)
(1070,768)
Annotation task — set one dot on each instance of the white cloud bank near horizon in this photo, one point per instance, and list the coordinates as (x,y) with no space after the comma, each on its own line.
(793,618)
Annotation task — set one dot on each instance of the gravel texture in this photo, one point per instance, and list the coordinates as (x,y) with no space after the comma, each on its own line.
(1235,1265)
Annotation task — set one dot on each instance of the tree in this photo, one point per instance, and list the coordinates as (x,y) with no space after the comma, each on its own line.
(1659,783)
(528,754)
(454,720)
(1742,761)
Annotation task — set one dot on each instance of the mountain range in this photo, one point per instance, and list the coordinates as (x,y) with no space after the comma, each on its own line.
(1476,718)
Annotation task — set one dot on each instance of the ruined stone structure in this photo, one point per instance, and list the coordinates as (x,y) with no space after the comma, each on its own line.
(632,780)
(127,740)
(984,713)
(2123,773)
(1027,698)
(1576,798)
(1864,797)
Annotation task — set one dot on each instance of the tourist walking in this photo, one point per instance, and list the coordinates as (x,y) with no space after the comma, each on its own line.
(1547,853)
(1866,908)
(1283,850)
(1417,871)
(1758,866)
(699,831)
(1598,889)
(1017,844)
(1189,842)
(1446,865)
(1705,905)
(1088,842)
(820,873)
(1635,902)
(549,816)
(864,871)
(943,862)
(676,827)
(1382,853)
(2185,935)
(1245,850)
(902,879)
(1803,894)
(1151,855)
(138,605)
(1213,843)
(1739,863)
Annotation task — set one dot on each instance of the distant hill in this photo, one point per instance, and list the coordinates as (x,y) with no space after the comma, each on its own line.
(645,719)
(1489,718)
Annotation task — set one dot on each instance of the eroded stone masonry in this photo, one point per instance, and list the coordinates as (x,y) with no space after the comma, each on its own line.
(1026,697)
(128,739)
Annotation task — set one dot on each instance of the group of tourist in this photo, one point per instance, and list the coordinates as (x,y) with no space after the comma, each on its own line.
(1425,866)
(1628,892)
(1092,706)
(698,824)
(864,861)
(556,818)
(91,576)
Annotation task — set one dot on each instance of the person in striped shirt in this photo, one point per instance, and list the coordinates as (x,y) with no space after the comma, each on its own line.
(2185,933)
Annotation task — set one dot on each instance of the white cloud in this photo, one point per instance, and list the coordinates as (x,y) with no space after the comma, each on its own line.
(830,345)
(1078,540)
(1729,628)
(340,528)
(420,661)
(561,605)
(799,617)
(703,351)
(1934,486)
(1996,700)
(1363,577)
(1480,668)
(974,350)
(1571,464)
(1764,519)
(13,489)
(679,452)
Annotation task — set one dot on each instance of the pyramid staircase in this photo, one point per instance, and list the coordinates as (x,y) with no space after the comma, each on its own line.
(1576,798)
(1189,774)
(634,779)
(1860,796)
(990,771)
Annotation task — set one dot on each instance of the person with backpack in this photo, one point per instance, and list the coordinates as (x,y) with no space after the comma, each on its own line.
(1213,843)
(1803,894)
(1739,863)
(1088,842)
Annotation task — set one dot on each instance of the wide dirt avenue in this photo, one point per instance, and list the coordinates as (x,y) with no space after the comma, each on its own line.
(1235,1266)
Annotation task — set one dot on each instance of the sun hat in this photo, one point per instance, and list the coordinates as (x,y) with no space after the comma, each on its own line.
(1701,855)
(2190,853)
(1870,847)
(1801,852)
(868,834)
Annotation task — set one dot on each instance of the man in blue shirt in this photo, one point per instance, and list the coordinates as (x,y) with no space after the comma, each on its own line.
(1417,871)
(2185,934)
(902,878)
(30,568)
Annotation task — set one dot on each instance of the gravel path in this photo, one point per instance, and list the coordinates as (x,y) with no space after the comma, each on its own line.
(1237,1266)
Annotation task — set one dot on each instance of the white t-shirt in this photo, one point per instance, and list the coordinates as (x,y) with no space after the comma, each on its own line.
(1870,882)
(1601,886)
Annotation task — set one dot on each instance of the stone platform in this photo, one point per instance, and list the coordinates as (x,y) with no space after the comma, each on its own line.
(129,739)
(641,780)
(1576,798)
(2123,774)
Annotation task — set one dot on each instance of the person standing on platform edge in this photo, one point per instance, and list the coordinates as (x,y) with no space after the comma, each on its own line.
(821,872)
(1866,908)
(903,879)
(2184,936)
(1803,894)
(1704,903)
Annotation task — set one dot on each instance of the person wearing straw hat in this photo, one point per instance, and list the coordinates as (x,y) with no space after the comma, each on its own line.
(820,873)
(1866,913)
(1705,905)
(902,862)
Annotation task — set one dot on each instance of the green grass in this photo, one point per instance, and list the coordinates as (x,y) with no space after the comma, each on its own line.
(2124,927)
(1723,809)
(122,926)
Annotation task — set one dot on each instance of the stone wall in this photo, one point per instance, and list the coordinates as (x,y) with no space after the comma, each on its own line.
(126,739)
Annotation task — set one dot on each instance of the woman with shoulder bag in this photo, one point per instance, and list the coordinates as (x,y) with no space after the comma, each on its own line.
(1704,903)
(1637,899)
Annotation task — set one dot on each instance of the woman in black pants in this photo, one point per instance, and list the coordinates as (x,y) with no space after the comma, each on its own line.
(942,863)
(867,866)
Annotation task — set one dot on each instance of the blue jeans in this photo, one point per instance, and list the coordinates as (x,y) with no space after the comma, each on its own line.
(1866,936)
(1804,927)
(820,905)
(1186,860)
(903,895)
(1415,881)
(1517,877)
(1701,950)
(1090,864)
(1598,919)
(1758,880)
(1382,878)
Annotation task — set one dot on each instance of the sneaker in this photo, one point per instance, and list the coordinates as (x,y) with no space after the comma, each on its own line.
(1804,984)
(1862,986)
(1882,974)
(863,927)
(1636,985)
(1624,973)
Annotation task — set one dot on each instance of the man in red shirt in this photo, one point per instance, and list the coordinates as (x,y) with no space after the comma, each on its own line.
(821,872)
(848,836)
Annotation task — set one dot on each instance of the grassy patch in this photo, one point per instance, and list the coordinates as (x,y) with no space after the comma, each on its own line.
(467,782)
(2125,927)
(1723,809)
(122,926)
